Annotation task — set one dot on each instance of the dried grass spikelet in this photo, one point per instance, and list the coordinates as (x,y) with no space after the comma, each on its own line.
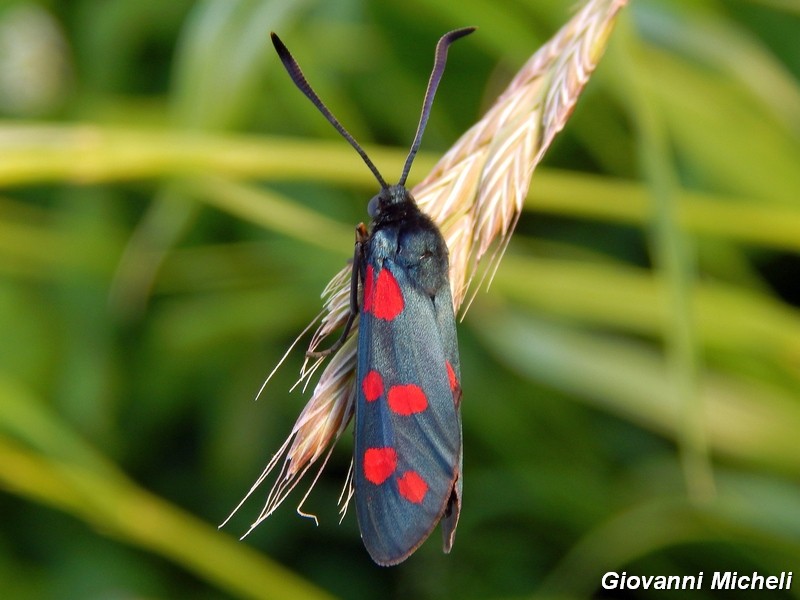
(474,194)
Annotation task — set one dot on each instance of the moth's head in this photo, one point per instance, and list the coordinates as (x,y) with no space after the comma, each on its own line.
(390,196)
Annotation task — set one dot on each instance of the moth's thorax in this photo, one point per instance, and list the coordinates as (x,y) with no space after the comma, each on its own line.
(407,237)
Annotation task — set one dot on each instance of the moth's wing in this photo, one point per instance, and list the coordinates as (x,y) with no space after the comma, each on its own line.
(408,425)
(446,324)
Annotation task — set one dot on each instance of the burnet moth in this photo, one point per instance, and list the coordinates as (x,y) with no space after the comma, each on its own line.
(408,453)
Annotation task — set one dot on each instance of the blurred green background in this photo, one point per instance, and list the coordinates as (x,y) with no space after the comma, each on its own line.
(171,208)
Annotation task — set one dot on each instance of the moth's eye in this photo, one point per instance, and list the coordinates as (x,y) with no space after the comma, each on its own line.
(426,255)
(374,206)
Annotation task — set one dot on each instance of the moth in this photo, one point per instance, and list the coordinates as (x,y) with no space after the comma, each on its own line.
(408,445)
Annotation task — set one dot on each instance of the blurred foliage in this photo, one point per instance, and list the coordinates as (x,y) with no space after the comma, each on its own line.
(171,209)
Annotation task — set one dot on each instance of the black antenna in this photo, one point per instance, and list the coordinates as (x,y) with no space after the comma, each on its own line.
(300,81)
(433,83)
(436,76)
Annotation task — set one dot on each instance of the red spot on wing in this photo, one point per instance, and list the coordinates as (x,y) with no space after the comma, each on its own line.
(372,386)
(451,375)
(387,299)
(407,399)
(379,464)
(369,281)
(412,487)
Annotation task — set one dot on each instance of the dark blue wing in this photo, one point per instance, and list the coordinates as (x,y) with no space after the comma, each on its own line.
(408,424)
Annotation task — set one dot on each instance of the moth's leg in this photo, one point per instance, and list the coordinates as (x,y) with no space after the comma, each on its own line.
(358,257)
